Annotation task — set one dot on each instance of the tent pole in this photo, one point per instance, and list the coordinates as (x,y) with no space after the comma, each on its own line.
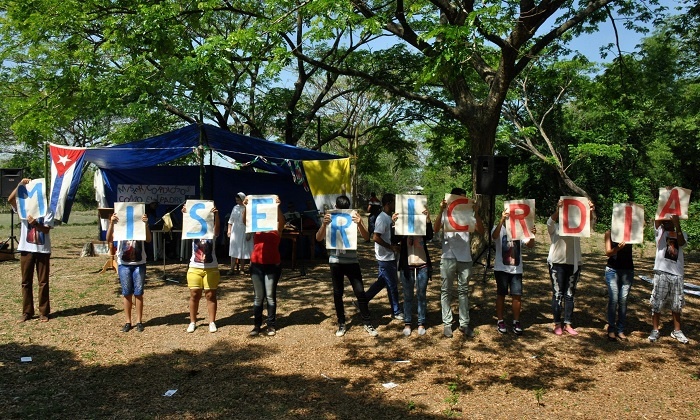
(200,152)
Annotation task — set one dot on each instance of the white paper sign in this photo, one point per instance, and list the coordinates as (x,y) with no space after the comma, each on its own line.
(459,214)
(575,217)
(411,220)
(198,221)
(673,201)
(31,199)
(130,227)
(341,233)
(261,213)
(627,223)
(521,219)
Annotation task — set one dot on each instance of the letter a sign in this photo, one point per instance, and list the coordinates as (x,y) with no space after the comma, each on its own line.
(673,201)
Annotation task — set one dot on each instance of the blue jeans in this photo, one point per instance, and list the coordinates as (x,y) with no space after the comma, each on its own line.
(564,281)
(265,278)
(387,277)
(619,285)
(415,277)
(131,278)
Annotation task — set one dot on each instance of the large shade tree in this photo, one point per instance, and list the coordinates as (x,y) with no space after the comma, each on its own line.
(461,57)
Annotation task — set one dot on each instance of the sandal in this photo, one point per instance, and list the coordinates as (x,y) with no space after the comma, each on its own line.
(612,337)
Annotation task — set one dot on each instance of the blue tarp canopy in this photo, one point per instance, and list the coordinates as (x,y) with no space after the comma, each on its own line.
(258,153)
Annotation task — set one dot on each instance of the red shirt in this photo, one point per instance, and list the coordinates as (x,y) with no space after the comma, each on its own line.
(266,248)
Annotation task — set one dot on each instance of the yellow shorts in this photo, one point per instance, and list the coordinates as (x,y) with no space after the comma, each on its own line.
(203,278)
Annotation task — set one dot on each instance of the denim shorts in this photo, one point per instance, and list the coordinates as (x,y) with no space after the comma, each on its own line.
(131,278)
(506,281)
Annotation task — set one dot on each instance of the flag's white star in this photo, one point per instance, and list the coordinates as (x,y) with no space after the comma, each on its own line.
(63,160)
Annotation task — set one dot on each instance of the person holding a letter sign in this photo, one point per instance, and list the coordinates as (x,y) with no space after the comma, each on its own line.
(265,266)
(131,261)
(203,273)
(344,263)
(416,267)
(619,275)
(508,270)
(34,249)
(668,276)
(564,260)
(456,260)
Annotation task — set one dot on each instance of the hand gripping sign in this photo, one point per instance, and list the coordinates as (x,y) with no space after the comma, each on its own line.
(261,213)
(521,219)
(673,201)
(627,223)
(31,200)
(130,226)
(459,214)
(575,217)
(411,221)
(198,220)
(341,233)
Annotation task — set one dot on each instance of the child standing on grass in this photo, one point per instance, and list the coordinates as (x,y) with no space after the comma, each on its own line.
(668,276)
(131,262)
(508,270)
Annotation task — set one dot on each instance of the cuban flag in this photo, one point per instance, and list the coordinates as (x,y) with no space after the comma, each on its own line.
(66,170)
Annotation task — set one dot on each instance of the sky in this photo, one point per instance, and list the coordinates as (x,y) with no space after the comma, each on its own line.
(589,44)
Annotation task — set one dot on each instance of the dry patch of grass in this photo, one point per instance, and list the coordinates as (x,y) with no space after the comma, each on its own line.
(83,367)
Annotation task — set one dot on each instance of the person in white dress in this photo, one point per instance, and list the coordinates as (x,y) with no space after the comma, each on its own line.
(241,244)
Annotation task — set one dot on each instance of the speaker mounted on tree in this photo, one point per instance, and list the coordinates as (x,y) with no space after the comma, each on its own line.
(491,175)
(9,178)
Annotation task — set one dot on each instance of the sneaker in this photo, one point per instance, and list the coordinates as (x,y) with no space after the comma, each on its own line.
(558,330)
(212,327)
(570,330)
(255,331)
(371,331)
(447,331)
(271,331)
(126,327)
(139,327)
(501,327)
(517,328)
(678,335)
(341,330)
(467,331)
(421,330)
(655,335)
(398,316)
(407,330)
(191,327)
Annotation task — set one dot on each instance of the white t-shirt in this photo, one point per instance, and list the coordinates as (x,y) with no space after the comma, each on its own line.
(382,226)
(509,255)
(131,253)
(456,245)
(204,253)
(564,249)
(32,240)
(669,256)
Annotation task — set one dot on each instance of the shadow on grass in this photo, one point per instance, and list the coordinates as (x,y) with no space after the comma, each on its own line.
(222,381)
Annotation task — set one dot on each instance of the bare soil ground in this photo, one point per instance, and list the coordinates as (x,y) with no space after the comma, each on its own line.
(84,367)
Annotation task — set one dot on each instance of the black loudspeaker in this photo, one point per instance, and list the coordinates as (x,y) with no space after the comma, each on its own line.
(491,175)
(9,178)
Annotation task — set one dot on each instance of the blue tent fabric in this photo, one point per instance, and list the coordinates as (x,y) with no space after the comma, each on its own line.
(259,153)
